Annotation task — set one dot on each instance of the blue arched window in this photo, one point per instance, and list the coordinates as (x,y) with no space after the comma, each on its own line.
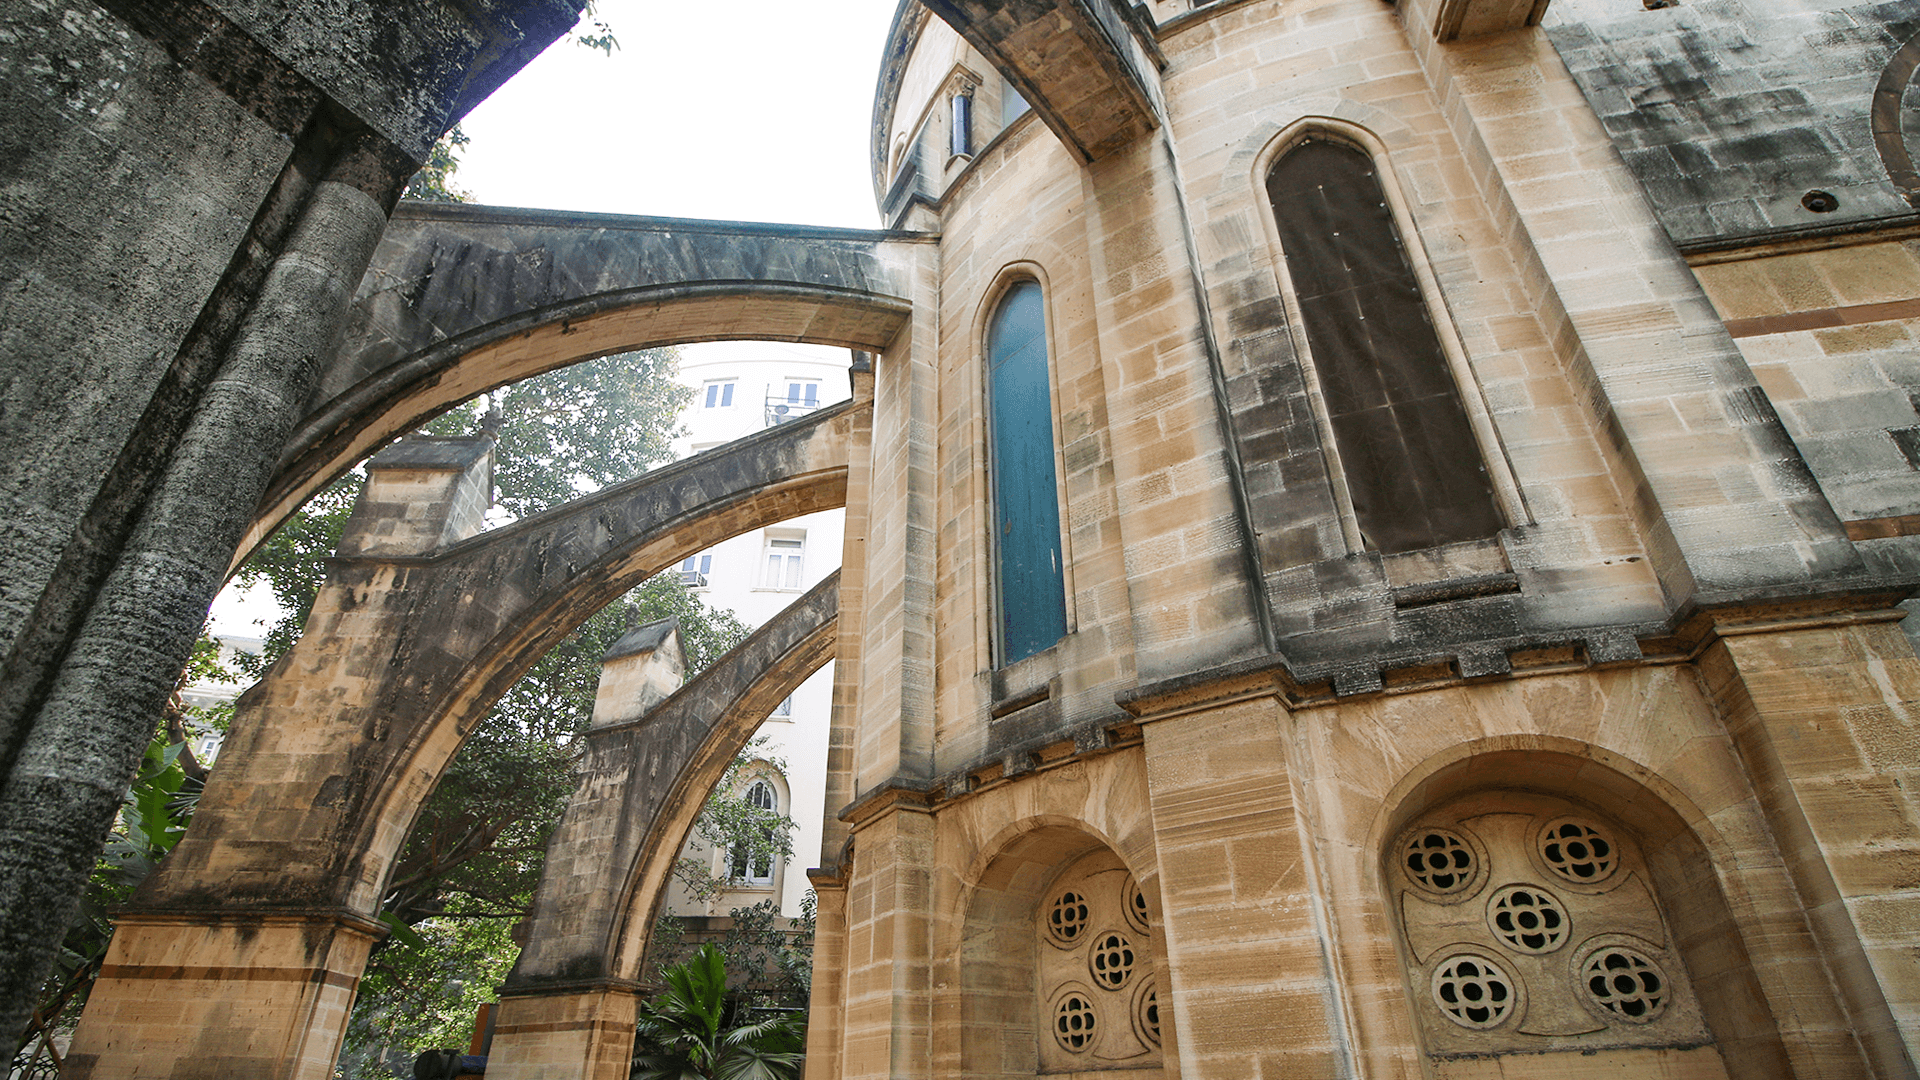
(1032,606)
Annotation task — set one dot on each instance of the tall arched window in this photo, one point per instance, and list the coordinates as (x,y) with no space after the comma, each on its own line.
(1412,465)
(1032,611)
(753,864)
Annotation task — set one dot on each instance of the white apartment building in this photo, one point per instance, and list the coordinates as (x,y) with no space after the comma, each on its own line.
(740,388)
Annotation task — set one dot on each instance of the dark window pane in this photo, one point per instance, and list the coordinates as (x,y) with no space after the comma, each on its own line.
(1411,462)
(1032,593)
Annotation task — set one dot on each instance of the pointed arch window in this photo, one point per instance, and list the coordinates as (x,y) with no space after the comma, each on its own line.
(1029,582)
(753,864)
(1412,466)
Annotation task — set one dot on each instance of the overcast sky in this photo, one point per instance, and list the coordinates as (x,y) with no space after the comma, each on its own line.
(755,110)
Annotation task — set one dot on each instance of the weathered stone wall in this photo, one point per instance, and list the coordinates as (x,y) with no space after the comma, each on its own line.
(194,189)
(1676,589)
(1831,335)
(1730,112)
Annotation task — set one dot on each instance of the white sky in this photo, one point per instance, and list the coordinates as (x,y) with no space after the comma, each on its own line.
(756,110)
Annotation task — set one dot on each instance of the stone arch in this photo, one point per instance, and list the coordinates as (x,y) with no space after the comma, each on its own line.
(1685,856)
(1889,136)
(644,783)
(462,299)
(347,769)
(1001,962)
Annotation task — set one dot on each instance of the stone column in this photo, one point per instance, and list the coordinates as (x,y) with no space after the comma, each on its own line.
(1827,721)
(893,731)
(889,912)
(264,996)
(263,986)
(581,1032)
(826,1016)
(1260,1000)
(125,641)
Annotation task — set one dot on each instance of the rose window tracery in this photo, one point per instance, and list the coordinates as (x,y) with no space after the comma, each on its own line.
(1074,1021)
(1098,996)
(1530,924)
(1578,851)
(1068,917)
(1473,991)
(1625,983)
(1438,860)
(1110,960)
(1527,919)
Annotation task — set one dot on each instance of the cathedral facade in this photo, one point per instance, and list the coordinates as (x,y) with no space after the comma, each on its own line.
(1375,542)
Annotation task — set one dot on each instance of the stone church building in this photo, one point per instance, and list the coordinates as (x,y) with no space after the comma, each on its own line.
(1375,533)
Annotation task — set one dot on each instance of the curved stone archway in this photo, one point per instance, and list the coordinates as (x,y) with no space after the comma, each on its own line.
(414,636)
(462,299)
(608,864)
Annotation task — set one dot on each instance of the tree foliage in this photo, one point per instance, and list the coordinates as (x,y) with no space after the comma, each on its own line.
(619,414)
(696,1030)
(434,181)
(476,849)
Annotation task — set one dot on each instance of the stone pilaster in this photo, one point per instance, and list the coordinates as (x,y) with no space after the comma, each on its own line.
(888,917)
(1827,721)
(1247,957)
(223,994)
(578,1033)
(826,1027)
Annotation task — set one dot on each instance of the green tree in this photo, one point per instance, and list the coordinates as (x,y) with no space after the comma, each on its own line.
(476,849)
(696,1030)
(434,181)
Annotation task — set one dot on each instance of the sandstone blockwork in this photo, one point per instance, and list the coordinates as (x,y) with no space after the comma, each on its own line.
(1529,924)
(1097,981)
(1482,456)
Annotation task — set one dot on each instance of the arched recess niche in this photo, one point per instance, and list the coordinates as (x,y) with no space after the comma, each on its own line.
(1704,934)
(1004,1011)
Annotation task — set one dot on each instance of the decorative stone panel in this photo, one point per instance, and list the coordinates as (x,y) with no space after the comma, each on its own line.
(1529,924)
(1098,976)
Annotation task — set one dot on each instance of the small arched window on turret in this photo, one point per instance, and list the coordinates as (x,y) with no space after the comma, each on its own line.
(1030,590)
(1411,464)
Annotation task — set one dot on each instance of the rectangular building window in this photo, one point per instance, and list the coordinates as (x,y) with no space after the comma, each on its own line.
(719,395)
(785,560)
(693,572)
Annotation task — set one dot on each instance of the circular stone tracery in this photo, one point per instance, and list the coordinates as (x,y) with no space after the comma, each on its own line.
(1527,919)
(1110,960)
(1473,991)
(1438,860)
(1073,1022)
(1067,919)
(1146,1012)
(1579,851)
(1626,984)
(1134,903)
